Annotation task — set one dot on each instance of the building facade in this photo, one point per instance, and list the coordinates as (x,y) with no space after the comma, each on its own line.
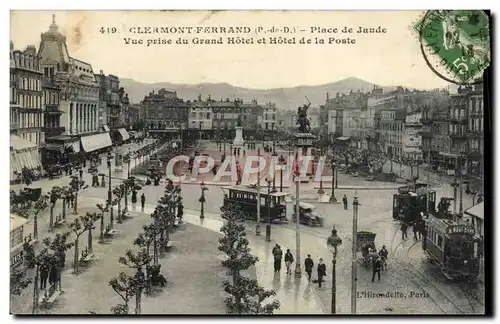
(165,112)
(79,96)
(26,110)
(269,117)
(412,139)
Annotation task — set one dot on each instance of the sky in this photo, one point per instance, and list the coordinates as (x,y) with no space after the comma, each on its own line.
(388,59)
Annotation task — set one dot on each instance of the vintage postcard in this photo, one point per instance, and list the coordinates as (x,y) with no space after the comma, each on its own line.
(249,162)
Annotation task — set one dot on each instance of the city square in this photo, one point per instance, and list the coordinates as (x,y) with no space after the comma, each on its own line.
(368,202)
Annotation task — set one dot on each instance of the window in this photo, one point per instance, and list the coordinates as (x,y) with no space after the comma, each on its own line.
(440,241)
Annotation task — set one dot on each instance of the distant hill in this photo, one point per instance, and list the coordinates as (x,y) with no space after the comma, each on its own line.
(285,98)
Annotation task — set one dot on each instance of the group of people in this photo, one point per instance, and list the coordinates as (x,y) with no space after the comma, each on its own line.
(289,260)
(418,228)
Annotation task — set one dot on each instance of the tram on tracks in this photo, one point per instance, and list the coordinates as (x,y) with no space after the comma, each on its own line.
(453,247)
(411,201)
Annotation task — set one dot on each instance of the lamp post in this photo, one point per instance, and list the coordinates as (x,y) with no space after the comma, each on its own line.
(202,199)
(274,172)
(257,226)
(128,162)
(354,278)
(110,193)
(333,199)
(333,242)
(282,163)
(320,190)
(268,203)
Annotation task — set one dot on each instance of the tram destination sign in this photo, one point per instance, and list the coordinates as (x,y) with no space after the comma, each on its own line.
(461,229)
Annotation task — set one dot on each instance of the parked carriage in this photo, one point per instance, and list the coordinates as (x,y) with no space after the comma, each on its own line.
(366,243)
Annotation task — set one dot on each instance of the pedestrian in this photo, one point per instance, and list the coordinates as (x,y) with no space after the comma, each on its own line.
(277,254)
(321,272)
(344,200)
(415,231)
(143,201)
(72,200)
(383,253)
(309,264)
(44,275)
(244,153)
(404,229)
(377,265)
(81,173)
(288,261)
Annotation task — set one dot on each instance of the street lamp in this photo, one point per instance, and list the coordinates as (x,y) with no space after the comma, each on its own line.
(320,190)
(333,242)
(333,199)
(202,199)
(268,203)
(354,278)
(282,163)
(128,163)
(274,171)
(109,157)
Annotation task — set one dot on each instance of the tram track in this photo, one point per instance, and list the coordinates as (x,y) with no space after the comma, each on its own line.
(409,270)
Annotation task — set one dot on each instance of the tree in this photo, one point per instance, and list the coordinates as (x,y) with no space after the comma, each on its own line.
(102,211)
(126,287)
(18,281)
(39,206)
(79,226)
(43,260)
(119,192)
(137,261)
(76,185)
(59,245)
(148,237)
(253,300)
(65,193)
(54,194)
(235,245)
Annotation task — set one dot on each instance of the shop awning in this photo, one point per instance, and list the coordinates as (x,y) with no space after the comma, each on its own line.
(19,144)
(27,158)
(16,222)
(106,128)
(95,142)
(476,211)
(343,138)
(448,154)
(124,134)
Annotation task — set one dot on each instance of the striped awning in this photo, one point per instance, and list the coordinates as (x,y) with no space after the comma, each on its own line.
(19,144)
(124,134)
(95,142)
(343,138)
(23,159)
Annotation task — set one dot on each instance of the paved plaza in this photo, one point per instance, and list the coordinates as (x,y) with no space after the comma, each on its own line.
(195,275)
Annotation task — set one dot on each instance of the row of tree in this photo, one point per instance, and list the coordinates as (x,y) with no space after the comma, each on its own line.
(246,296)
(152,241)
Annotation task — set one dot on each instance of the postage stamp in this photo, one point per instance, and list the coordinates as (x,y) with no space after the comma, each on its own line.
(460,39)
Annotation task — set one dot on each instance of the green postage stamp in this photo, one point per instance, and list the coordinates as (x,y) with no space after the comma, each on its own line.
(460,39)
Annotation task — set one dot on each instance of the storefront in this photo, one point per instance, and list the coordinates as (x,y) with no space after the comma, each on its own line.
(16,240)
(23,154)
(60,149)
(123,134)
(95,142)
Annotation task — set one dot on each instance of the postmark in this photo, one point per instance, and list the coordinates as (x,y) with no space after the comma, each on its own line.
(455,43)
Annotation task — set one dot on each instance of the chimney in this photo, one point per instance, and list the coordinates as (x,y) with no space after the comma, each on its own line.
(327,96)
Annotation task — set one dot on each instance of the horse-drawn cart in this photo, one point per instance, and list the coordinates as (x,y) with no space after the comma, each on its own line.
(366,244)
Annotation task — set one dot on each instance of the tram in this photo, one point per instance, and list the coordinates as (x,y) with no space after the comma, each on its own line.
(272,205)
(411,201)
(452,247)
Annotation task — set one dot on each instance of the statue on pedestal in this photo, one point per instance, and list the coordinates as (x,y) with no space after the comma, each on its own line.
(302,120)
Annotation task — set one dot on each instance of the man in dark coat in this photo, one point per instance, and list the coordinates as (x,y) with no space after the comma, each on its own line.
(309,264)
(344,200)
(404,229)
(143,201)
(321,272)
(278,254)
(81,173)
(288,261)
(44,275)
(377,265)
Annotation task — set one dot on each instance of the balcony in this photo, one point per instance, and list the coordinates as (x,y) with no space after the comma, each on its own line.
(426,121)
(458,135)
(425,133)
(475,134)
(459,120)
(53,131)
(475,154)
(52,109)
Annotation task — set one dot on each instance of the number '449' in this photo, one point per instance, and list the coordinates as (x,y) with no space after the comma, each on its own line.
(108,30)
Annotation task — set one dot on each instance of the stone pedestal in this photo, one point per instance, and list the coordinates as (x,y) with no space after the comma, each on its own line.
(238,139)
(304,142)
